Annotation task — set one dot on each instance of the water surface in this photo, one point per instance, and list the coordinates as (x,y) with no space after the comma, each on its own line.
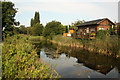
(78,63)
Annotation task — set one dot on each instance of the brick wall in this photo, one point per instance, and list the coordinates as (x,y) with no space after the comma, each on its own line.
(104,24)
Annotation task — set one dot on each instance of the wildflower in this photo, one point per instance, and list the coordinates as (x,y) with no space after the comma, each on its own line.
(28,77)
(33,67)
(35,77)
(49,66)
(41,69)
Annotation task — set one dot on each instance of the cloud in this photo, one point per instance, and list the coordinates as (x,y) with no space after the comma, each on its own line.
(64,0)
(83,8)
(58,7)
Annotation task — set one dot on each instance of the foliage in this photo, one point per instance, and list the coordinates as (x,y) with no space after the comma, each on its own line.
(112,30)
(1,60)
(78,22)
(22,29)
(17,30)
(32,22)
(29,30)
(37,29)
(102,34)
(20,60)
(8,14)
(71,27)
(67,40)
(66,29)
(118,30)
(53,28)
(108,45)
(35,20)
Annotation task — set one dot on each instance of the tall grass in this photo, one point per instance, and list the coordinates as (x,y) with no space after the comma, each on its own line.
(20,60)
(1,61)
(109,45)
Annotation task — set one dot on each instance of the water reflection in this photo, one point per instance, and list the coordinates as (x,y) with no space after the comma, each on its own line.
(78,63)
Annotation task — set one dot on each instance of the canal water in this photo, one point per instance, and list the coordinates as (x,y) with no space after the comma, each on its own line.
(78,63)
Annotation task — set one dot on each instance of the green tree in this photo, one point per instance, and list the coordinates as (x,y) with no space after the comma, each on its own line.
(112,30)
(78,22)
(37,29)
(23,29)
(36,18)
(53,28)
(66,29)
(32,22)
(29,31)
(8,14)
(17,30)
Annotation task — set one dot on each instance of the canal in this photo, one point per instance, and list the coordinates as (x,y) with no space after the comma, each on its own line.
(78,63)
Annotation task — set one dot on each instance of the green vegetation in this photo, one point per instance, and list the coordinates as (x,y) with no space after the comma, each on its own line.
(8,14)
(53,28)
(35,20)
(1,61)
(37,30)
(19,55)
(20,60)
(103,44)
(22,29)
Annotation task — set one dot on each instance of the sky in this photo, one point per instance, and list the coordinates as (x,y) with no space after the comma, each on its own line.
(65,11)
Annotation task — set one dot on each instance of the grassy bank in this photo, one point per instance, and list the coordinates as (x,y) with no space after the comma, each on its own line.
(1,60)
(106,46)
(20,60)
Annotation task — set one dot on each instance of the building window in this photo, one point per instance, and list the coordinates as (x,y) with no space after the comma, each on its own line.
(101,28)
(92,29)
(87,30)
(80,30)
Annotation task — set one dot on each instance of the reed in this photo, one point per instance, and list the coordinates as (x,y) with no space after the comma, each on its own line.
(109,45)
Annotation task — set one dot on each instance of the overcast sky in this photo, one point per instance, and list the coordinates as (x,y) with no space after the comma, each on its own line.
(65,11)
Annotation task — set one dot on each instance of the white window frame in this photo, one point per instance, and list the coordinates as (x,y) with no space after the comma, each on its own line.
(101,28)
(87,30)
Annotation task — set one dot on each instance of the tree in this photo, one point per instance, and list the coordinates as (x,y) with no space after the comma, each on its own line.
(78,22)
(32,22)
(17,30)
(66,29)
(35,20)
(23,29)
(75,24)
(37,29)
(112,30)
(53,28)
(8,14)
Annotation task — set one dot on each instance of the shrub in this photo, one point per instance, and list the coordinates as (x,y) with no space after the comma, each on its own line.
(20,60)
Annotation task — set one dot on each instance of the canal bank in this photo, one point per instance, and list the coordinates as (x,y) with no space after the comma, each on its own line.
(107,47)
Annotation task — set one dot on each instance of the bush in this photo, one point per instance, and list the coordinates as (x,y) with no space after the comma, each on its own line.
(102,34)
(20,60)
